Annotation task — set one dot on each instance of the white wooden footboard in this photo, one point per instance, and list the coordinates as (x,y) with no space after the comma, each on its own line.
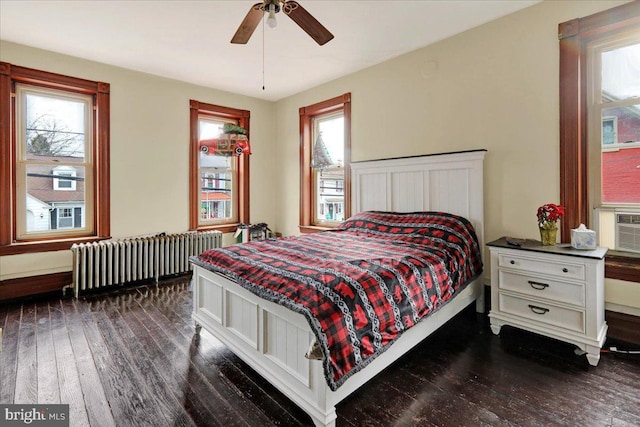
(273,340)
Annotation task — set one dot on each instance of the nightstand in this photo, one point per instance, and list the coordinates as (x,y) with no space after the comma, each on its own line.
(555,291)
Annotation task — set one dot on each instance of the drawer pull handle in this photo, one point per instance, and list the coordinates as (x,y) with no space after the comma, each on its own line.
(538,310)
(538,285)
(512,262)
(565,270)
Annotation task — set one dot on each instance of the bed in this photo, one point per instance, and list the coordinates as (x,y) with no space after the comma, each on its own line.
(409,202)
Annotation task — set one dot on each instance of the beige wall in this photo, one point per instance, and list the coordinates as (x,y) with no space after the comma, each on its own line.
(493,87)
(149,151)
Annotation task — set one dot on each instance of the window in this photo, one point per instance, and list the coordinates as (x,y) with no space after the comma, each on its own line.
(65,218)
(219,177)
(325,149)
(327,164)
(62,184)
(609,131)
(613,105)
(599,134)
(219,184)
(59,181)
(54,150)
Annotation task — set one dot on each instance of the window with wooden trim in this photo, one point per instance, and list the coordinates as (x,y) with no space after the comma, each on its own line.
(54,150)
(325,155)
(219,180)
(599,130)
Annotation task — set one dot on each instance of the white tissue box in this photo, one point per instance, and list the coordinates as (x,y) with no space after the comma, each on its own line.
(583,238)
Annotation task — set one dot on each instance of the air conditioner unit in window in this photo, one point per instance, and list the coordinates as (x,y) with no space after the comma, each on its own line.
(628,231)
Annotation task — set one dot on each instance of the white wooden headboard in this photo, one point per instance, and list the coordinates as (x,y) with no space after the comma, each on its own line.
(450,182)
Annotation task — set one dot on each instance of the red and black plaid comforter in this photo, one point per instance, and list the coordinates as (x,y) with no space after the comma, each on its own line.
(362,285)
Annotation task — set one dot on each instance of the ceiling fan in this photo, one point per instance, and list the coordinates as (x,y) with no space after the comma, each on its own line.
(292,9)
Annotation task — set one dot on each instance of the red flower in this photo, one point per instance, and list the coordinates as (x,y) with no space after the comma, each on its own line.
(549,213)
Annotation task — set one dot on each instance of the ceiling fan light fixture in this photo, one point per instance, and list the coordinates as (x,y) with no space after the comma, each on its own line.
(271,20)
(292,9)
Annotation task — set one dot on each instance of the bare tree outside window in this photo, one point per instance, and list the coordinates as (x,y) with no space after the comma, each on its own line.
(47,136)
(54,126)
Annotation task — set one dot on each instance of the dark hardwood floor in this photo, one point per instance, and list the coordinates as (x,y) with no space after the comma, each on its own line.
(131,358)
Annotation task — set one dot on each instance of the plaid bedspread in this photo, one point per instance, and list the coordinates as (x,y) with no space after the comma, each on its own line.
(359,286)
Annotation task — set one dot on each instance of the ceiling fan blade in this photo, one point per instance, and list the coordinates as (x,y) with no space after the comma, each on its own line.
(249,24)
(307,22)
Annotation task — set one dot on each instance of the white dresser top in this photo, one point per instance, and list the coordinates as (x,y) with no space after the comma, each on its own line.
(558,249)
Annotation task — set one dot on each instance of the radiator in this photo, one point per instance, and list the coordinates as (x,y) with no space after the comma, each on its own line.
(119,261)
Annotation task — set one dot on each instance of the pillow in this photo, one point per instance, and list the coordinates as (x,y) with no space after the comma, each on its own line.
(431,224)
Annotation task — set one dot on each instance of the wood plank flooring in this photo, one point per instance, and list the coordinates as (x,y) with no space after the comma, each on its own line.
(131,358)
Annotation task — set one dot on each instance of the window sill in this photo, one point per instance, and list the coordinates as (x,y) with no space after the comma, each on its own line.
(314,228)
(622,266)
(224,228)
(45,245)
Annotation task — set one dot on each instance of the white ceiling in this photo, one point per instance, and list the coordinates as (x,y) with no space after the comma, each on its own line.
(189,40)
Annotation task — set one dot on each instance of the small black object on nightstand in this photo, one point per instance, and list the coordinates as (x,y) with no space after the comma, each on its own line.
(513,242)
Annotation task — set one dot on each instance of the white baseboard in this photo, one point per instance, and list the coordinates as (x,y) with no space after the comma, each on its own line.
(633,311)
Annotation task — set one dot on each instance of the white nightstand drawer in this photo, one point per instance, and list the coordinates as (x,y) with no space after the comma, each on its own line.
(540,265)
(546,313)
(567,292)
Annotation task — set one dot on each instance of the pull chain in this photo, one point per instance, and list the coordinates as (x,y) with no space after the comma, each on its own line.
(263,53)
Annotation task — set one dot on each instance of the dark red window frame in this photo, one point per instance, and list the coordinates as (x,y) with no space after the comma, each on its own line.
(575,36)
(196,109)
(10,75)
(307,114)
